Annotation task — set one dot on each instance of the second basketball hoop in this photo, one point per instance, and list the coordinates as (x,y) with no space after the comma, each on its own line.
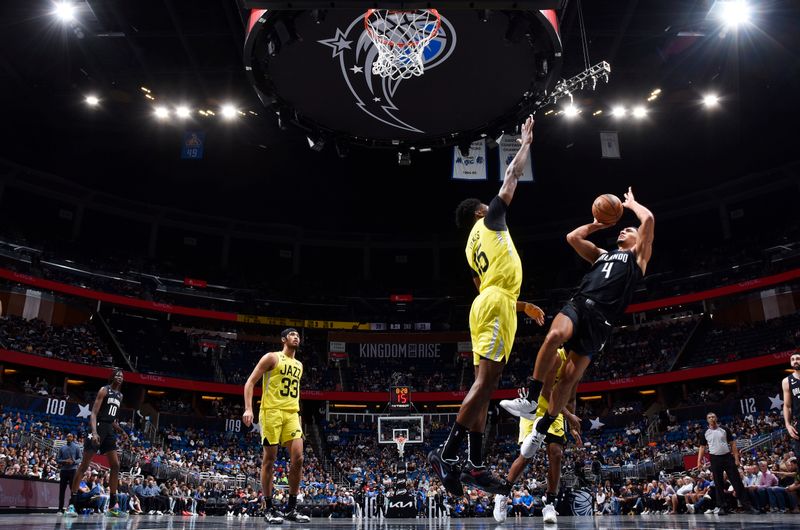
(400,38)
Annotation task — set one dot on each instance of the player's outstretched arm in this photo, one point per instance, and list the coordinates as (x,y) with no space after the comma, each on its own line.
(517,165)
(644,244)
(266,364)
(585,248)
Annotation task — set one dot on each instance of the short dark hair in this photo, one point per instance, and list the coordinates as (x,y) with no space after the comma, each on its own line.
(285,332)
(114,372)
(465,212)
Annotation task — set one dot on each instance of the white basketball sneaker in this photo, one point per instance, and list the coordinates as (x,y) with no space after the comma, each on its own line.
(533,442)
(520,407)
(500,508)
(549,514)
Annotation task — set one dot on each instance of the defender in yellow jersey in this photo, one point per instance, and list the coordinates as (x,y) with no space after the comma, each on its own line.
(497,273)
(556,440)
(279,420)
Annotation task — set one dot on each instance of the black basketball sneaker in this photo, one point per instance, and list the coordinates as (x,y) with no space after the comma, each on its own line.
(482,479)
(447,471)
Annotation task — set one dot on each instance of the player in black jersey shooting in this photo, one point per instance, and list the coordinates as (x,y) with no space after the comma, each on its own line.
(103,438)
(791,401)
(583,325)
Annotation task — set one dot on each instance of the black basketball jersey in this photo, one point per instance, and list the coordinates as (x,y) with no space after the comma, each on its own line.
(610,282)
(794,389)
(110,406)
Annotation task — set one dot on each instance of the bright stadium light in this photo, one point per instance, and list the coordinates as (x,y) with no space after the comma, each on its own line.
(571,111)
(228,111)
(734,13)
(619,111)
(92,100)
(639,112)
(64,11)
(161,112)
(711,100)
(183,112)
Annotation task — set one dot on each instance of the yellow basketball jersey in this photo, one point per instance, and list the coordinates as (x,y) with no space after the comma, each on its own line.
(280,387)
(493,256)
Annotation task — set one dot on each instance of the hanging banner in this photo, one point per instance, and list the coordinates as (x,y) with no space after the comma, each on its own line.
(609,144)
(507,150)
(472,167)
(192,147)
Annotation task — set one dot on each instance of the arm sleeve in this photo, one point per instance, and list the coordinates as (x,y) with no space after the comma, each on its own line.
(496,216)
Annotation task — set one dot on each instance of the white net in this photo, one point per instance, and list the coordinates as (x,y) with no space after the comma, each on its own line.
(401,38)
(401,444)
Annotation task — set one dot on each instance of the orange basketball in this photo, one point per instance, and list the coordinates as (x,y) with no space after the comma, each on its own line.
(607,209)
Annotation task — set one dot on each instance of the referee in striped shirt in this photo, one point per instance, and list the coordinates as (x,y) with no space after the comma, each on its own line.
(724,459)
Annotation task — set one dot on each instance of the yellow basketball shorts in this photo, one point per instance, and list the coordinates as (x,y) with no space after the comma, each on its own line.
(555,434)
(279,426)
(492,325)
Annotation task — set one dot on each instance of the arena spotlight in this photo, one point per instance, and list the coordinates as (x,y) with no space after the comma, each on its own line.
(619,111)
(228,111)
(711,100)
(182,112)
(92,100)
(639,112)
(317,143)
(161,112)
(64,11)
(571,111)
(734,13)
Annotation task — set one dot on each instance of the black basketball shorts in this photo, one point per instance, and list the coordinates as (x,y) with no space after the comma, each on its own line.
(108,439)
(591,331)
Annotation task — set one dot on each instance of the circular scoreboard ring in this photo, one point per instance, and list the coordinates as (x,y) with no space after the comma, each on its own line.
(484,72)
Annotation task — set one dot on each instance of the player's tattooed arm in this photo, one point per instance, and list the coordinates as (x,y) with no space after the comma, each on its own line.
(644,243)
(517,165)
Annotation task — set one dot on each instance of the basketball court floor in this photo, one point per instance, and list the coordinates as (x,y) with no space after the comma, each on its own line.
(662,522)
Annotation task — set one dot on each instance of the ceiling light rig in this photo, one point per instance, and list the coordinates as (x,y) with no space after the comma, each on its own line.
(711,100)
(64,11)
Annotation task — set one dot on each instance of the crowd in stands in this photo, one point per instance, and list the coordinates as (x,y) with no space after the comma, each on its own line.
(78,344)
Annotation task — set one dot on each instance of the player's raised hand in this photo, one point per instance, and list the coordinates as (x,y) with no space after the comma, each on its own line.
(247,418)
(630,200)
(600,225)
(535,312)
(526,132)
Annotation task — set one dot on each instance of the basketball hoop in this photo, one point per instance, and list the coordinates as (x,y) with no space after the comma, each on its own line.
(401,38)
(400,441)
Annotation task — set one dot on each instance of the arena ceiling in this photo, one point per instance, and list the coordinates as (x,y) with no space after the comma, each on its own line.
(191,53)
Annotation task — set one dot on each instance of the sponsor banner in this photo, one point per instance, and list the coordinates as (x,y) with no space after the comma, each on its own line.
(191,282)
(337,346)
(402,351)
(401,298)
(27,493)
(472,166)
(87,370)
(716,293)
(128,301)
(507,150)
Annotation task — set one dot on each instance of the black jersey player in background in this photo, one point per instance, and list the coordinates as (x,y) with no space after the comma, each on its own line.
(103,438)
(583,325)
(791,401)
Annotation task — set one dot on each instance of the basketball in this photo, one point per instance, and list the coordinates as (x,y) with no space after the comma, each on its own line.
(607,209)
